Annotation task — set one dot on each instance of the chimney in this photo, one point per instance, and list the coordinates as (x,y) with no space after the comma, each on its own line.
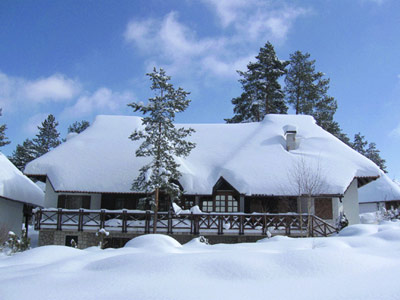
(290,132)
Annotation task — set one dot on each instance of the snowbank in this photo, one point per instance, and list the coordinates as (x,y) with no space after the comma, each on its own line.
(362,262)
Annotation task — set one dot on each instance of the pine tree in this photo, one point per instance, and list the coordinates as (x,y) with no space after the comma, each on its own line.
(306,90)
(78,127)
(262,92)
(46,140)
(48,136)
(300,88)
(359,144)
(23,154)
(161,139)
(3,139)
(373,154)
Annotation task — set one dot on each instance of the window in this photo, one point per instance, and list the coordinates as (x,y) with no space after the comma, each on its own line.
(226,203)
(323,208)
(73,201)
(71,240)
(221,203)
(207,206)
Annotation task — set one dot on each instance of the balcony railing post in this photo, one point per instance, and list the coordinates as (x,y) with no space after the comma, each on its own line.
(192,229)
(59,218)
(38,217)
(264,225)
(169,222)
(287,225)
(147,222)
(241,226)
(124,217)
(196,224)
(220,225)
(80,219)
(102,218)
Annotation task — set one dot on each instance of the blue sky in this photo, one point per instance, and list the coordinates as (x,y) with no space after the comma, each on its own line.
(77,59)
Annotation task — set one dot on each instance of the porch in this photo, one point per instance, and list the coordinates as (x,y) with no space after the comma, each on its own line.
(207,224)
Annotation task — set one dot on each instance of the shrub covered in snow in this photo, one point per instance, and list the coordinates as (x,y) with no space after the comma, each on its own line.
(16,244)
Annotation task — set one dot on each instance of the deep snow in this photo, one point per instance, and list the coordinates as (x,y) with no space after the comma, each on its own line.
(362,262)
(240,153)
(16,186)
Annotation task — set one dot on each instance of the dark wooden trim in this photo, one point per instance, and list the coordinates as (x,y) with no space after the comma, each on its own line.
(206,223)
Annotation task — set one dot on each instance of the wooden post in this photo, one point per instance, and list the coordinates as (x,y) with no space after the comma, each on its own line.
(287,225)
(169,221)
(192,228)
(26,225)
(220,229)
(155,211)
(59,219)
(124,225)
(264,227)
(147,222)
(38,219)
(196,224)
(241,227)
(102,218)
(80,219)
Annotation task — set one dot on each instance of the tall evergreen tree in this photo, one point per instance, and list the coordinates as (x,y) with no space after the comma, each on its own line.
(47,139)
(373,154)
(306,90)
(23,154)
(262,93)
(360,145)
(161,139)
(48,136)
(3,139)
(78,127)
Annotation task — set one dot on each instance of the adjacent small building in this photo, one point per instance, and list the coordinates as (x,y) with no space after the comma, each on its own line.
(382,193)
(18,196)
(285,164)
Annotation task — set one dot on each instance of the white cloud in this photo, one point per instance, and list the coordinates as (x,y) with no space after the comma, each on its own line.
(54,88)
(177,47)
(102,100)
(17,91)
(229,11)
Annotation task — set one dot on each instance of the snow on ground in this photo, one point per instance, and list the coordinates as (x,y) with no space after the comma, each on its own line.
(362,262)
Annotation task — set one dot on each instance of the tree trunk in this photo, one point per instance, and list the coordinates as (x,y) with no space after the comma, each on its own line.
(155,211)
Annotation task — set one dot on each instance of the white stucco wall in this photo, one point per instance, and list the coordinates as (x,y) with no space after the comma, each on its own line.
(369,207)
(50,197)
(11,215)
(350,203)
(337,209)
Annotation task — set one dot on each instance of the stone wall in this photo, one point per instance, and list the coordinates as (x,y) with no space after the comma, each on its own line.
(88,239)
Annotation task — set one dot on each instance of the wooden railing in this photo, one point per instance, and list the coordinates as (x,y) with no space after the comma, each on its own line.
(135,221)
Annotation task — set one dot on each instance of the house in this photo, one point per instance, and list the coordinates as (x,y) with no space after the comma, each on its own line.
(260,168)
(18,195)
(382,193)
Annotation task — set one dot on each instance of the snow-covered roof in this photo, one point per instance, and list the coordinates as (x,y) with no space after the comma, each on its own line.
(252,157)
(383,189)
(16,186)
